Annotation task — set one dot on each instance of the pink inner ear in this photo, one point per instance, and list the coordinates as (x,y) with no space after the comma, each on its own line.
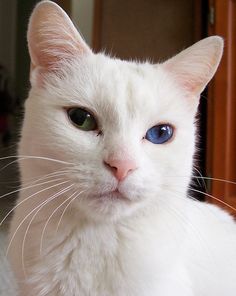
(188,79)
(48,55)
(193,68)
(190,86)
(47,48)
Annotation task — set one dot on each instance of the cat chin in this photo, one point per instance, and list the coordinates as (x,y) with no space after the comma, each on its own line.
(112,197)
(112,206)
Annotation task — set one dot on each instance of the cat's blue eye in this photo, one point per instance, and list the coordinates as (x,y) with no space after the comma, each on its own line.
(82,119)
(159,134)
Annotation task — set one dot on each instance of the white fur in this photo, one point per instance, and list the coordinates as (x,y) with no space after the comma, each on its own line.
(157,241)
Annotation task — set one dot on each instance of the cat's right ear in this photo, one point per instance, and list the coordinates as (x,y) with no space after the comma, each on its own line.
(193,68)
(52,38)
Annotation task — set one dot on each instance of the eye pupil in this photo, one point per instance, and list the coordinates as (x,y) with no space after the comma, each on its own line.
(82,119)
(79,117)
(159,134)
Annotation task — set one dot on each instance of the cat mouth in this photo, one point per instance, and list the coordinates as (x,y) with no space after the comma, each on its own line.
(113,195)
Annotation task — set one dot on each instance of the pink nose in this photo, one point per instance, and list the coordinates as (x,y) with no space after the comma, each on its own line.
(120,168)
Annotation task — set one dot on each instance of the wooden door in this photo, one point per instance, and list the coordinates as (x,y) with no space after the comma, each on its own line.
(221,152)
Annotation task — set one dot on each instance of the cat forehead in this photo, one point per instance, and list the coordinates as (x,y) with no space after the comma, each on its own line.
(122,92)
(122,83)
(100,80)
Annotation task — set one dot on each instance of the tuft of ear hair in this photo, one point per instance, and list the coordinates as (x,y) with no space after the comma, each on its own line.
(52,37)
(194,67)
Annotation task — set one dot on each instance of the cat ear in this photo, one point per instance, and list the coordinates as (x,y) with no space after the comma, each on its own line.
(194,67)
(52,37)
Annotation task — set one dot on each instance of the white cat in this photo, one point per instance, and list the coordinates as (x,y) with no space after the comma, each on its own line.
(110,146)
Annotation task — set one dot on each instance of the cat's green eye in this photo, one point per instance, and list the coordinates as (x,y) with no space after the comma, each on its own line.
(82,119)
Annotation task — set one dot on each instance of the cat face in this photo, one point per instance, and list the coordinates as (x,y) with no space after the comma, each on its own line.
(125,129)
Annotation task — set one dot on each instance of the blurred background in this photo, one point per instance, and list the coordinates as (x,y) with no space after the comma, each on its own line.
(131,29)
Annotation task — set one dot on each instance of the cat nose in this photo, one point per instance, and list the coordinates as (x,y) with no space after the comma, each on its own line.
(120,168)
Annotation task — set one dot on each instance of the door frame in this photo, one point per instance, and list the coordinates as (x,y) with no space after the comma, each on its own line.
(221,139)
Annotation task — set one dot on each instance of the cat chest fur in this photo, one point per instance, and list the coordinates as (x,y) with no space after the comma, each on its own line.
(102,260)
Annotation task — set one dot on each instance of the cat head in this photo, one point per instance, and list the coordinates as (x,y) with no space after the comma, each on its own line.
(124,130)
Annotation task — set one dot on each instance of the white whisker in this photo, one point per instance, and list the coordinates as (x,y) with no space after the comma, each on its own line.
(216,179)
(33,217)
(200,177)
(49,176)
(29,197)
(63,213)
(54,211)
(26,217)
(215,198)
(206,178)
(23,157)
(29,187)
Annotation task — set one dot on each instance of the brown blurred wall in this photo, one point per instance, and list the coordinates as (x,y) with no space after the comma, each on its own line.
(154,29)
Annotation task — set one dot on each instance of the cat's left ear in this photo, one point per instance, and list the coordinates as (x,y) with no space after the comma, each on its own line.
(194,67)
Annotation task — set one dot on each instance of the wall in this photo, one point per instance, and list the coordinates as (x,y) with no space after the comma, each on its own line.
(24,9)
(82,15)
(8,35)
(153,29)
(8,10)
